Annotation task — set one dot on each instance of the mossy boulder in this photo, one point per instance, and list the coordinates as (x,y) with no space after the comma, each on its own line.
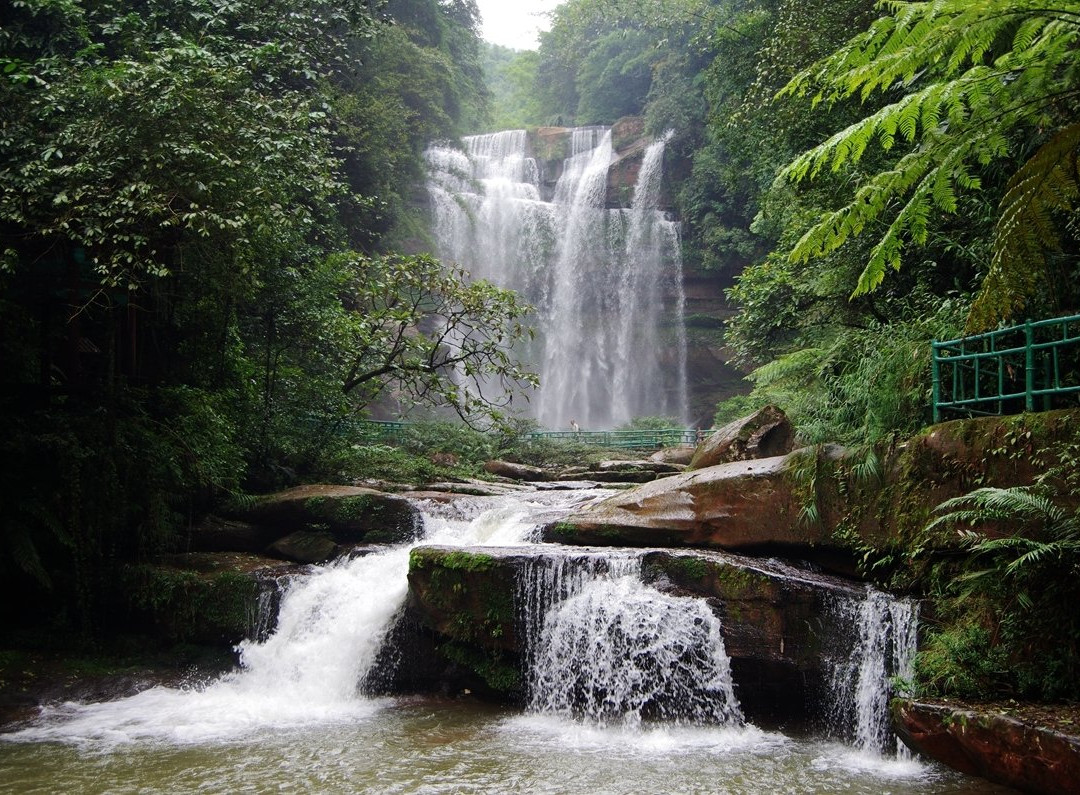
(891,508)
(350,514)
(304,546)
(828,504)
(777,625)
(204,599)
(772,612)
(466,597)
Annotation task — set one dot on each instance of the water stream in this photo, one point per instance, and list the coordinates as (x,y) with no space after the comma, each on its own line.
(606,281)
(631,691)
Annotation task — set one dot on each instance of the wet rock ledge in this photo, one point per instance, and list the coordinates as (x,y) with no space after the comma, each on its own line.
(779,628)
(995,746)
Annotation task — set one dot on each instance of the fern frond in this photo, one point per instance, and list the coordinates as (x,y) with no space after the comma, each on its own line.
(972,72)
(1026,230)
(1016,500)
(802,363)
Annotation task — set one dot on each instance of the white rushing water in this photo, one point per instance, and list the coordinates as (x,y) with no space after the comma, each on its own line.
(610,661)
(619,650)
(604,647)
(331,625)
(884,631)
(606,283)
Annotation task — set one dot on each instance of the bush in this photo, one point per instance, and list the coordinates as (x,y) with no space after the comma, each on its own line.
(856,386)
(1014,600)
(467,445)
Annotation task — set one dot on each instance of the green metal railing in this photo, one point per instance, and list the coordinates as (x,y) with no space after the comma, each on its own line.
(393,432)
(1021,368)
(624,440)
(379,431)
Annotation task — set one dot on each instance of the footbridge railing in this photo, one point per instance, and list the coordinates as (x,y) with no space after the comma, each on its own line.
(1030,367)
(625,440)
(393,432)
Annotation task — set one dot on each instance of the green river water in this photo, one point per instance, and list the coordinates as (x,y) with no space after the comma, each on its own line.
(462,746)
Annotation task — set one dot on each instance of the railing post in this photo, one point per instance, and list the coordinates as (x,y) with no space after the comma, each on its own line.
(1029,367)
(936,380)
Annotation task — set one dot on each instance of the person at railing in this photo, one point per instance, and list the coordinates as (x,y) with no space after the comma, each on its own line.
(575,427)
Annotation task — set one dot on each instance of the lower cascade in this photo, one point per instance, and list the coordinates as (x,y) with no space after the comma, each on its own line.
(620,650)
(602,650)
(884,632)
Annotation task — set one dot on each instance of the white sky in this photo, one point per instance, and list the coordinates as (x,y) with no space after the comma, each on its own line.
(515,23)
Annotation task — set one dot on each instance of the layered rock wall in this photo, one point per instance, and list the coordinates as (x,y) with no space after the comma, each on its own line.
(777,623)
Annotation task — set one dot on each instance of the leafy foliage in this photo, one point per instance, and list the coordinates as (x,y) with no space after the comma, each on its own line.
(182,188)
(972,76)
(511,75)
(1022,576)
(432,336)
(858,385)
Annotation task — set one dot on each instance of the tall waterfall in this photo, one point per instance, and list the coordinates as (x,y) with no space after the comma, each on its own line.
(606,283)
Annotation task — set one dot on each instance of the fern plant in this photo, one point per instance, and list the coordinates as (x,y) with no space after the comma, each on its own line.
(971,75)
(1018,589)
(1052,537)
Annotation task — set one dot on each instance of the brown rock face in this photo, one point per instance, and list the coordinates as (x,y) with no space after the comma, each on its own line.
(996,747)
(739,505)
(764,434)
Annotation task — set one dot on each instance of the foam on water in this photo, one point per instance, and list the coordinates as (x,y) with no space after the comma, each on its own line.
(619,650)
(650,739)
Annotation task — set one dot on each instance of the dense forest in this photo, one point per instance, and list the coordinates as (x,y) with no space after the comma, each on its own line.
(202,218)
(212,227)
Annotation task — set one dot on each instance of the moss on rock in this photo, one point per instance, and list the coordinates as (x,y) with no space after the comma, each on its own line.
(186,606)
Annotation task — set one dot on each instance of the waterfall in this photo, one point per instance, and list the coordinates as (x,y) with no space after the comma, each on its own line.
(603,645)
(606,283)
(600,646)
(883,633)
(548,580)
(331,625)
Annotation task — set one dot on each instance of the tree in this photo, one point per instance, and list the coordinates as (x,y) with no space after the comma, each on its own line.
(162,129)
(177,183)
(597,60)
(511,75)
(431,336)
(975,78)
